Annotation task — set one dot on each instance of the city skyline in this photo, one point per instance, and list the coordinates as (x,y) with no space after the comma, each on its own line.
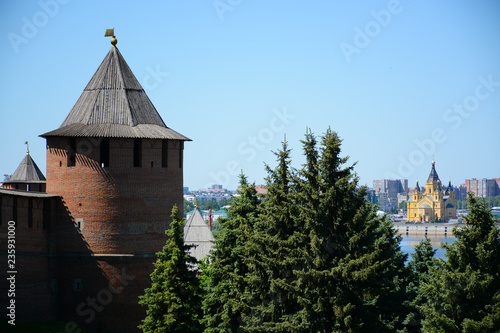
(402,82)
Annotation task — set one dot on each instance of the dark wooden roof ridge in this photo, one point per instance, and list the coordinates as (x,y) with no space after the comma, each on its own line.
(114,104)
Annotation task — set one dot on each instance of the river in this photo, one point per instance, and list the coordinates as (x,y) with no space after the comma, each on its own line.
(408,243)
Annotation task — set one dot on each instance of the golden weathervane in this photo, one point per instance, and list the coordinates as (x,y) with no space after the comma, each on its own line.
(109,33)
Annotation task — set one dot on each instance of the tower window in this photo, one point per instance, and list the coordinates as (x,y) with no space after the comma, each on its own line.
(72,152)
(77,285)
(104,153)
(137,153)
(164,153)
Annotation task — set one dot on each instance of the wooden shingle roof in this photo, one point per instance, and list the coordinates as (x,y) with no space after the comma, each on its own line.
(197,232)
(27,171)
(113,104)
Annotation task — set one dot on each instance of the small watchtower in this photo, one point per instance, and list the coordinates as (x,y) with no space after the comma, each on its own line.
(27,176)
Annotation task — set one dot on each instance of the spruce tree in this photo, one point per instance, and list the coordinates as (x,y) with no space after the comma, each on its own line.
(354,277)
(174,299)
(322,260)
(225,301)
(420,266)
(463,295)
(275,252)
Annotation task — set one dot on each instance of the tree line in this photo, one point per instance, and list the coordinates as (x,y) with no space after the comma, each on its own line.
(490,201)
(312,256)
(206,204)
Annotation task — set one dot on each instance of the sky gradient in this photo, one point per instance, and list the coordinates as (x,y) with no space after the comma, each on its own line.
(402,82)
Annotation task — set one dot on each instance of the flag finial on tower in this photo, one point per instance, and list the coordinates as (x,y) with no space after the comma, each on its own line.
(109,33)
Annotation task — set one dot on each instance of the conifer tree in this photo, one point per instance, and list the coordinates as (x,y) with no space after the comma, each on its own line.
(322,260)
(463,295)
(224,302)
(420,267)
(174,299)
(355,273)
(275,252)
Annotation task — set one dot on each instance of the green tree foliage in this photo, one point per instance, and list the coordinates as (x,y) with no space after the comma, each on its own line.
(464,292)
(225,284)
(188,207)
(356,255)
(490,201)
(420,267)
(319,259)
(275,252)
(205,204)
(174,299)
(403,205)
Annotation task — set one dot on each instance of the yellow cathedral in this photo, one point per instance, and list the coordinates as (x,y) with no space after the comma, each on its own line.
(434,203)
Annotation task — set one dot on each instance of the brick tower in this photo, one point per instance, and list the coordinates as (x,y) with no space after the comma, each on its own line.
(119,171)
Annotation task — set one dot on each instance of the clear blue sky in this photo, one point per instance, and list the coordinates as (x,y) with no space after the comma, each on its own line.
(400,81)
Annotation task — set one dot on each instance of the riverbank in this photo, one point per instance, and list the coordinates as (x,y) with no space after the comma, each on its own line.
(430,229)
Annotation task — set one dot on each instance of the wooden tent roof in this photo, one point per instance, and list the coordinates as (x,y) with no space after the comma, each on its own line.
(113,104)
(197,232)
(27,172)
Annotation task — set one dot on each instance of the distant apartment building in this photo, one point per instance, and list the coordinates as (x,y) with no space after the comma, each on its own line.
(402,197)
(391,187)
(461,193)
(483,187)
(383,201)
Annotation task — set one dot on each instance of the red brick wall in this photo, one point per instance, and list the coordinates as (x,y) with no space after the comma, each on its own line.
(35,268)
(124,209)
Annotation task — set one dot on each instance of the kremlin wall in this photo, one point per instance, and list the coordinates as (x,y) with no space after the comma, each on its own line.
(86,236)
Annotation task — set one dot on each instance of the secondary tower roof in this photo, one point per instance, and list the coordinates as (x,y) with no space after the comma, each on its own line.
(27,171)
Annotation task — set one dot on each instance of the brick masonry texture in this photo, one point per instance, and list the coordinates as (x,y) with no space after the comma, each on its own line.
(103,228)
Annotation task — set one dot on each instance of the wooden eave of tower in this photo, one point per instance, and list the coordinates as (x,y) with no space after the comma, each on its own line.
(114,105)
